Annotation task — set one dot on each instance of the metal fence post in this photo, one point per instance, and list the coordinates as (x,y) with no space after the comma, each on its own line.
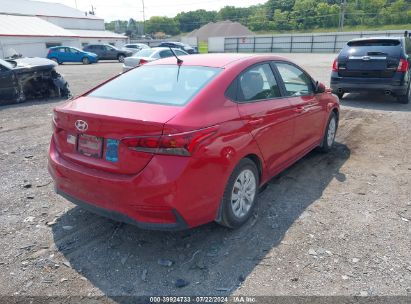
(291,44)
(254,44)
(238,41)
(335,42)
(272,43)
(312,43)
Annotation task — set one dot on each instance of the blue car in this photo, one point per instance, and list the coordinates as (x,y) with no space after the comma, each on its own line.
(61,54)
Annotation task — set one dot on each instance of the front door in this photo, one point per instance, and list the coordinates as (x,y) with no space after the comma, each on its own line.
(308,111)
(267,114)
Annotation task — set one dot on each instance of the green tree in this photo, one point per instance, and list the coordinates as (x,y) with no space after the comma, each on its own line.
(162,24)
(195,19)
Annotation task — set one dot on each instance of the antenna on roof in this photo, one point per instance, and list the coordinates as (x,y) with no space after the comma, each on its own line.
(179,61)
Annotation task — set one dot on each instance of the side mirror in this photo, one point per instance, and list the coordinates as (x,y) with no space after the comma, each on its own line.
(319,88)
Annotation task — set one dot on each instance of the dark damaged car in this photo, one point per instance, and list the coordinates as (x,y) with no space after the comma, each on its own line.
(30,78)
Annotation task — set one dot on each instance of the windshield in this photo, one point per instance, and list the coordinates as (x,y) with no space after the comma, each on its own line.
(374,42)
(160,84)
(144,53)
(6,64)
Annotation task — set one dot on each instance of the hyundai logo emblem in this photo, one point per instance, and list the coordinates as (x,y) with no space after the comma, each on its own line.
(81,125)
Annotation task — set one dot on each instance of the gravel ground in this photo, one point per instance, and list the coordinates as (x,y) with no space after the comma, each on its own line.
(333,224)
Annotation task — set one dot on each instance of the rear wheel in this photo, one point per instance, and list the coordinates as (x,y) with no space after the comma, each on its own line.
(329,136)
(240,194)
(121,58)
(405,98)
(86,60)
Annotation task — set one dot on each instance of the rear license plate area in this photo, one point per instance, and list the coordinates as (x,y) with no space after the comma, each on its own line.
(91,146)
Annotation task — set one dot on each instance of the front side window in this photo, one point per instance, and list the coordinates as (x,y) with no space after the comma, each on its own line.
(296,82)
(258,83)
(159,84)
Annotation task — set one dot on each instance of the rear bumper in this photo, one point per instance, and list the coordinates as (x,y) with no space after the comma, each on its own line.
(180,224)
(168,194)
(396,85)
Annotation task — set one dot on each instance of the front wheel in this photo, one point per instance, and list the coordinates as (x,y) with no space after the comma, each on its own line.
(405,98)
(240,194)
(120,58)
(330,132)
(86,60)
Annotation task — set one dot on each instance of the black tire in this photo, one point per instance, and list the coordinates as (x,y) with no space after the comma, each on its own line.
(228,215)
(404,99)
(340,95)
(121,57)
(85,60)
(326,144)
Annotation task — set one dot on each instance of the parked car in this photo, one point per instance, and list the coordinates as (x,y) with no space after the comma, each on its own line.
(107,52)
(179,45)
(30,78)
(148,55)
(174,145)
(135,47)
(374,64)
(61,54)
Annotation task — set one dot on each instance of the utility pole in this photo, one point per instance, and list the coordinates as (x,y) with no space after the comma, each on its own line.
(75,1)
(342,13)
(144,18)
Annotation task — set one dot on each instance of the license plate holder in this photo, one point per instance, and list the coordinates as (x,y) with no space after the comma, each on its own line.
(89,145)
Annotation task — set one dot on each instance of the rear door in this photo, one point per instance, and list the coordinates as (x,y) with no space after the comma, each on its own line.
(267,114)
(373,58)
(308,111)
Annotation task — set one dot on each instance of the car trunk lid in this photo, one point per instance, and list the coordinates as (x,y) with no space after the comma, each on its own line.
(89,130)
(370,61)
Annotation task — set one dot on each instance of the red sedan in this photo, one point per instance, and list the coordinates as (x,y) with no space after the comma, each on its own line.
(173,145)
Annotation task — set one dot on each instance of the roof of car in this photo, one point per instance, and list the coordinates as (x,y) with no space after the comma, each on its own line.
(218,60)
(160,48)
(376,38)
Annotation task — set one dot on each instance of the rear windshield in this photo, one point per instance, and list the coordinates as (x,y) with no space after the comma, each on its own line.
(375,42)
(160,84)
(144,53)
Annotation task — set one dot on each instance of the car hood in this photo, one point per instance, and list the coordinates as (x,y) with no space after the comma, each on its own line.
(32,63)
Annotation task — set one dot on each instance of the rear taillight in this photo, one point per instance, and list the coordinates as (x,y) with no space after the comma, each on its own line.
(142,61)
(175,144)
(403,65)
(335,65)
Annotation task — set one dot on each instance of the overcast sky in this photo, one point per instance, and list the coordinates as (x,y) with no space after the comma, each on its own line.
(126,9)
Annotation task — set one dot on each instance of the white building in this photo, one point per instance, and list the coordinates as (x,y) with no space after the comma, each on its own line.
(30,27)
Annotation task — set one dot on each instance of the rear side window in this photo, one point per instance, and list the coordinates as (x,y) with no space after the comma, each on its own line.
(374,42)
(166,53)
(144,53)
(160,84)
(257,83)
